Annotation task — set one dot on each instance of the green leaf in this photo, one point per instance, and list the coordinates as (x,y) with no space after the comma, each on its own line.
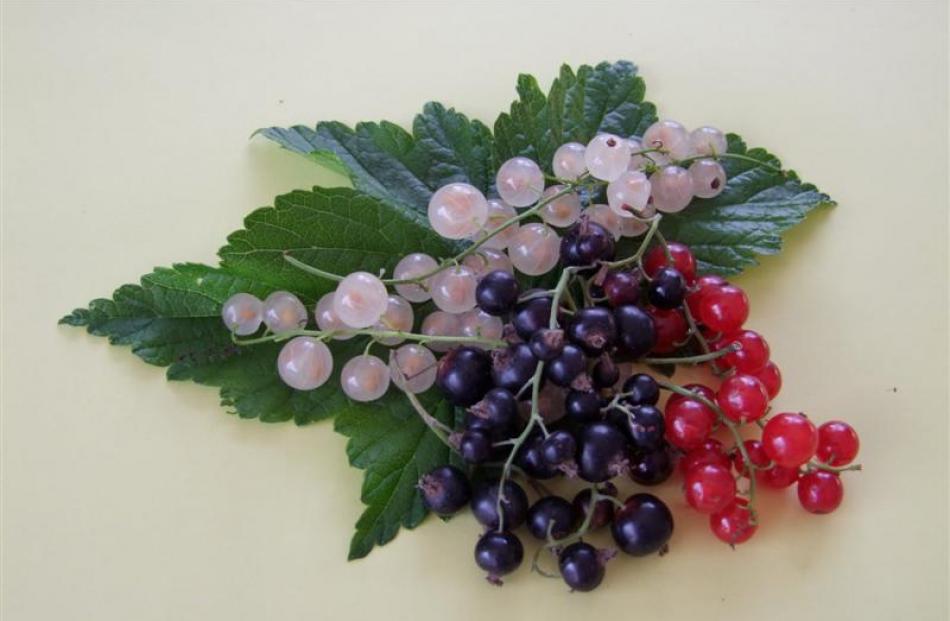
(758,204)
(391,443)
(605,98)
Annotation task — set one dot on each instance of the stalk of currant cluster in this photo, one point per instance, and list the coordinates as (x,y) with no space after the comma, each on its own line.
(541,373)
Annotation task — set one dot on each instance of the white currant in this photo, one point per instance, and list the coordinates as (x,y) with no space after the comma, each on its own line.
(283,311)
(607,156)
(568,162)
(457,210)
(413,266)
(360,300)
(441,323)
(485,260)
(708,178)
(413,368)
(520,182)
(708,141)
(328,321)
(672,189)
(453,289)
(304,363)
(364,378)
(562,211)
(628,194)
(242,313)
(480,324)
(535,250)
(398,317)
(499,212)
(605,217)
(669,136)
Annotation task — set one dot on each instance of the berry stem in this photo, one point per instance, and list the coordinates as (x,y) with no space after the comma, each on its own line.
(376,334)
(440,429)
(636,256)
(733,156)
(812,466)
(707,357)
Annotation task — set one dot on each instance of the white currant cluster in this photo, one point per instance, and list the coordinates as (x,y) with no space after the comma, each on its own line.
(660,171)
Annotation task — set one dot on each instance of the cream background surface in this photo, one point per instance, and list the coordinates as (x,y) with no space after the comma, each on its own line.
(125,146)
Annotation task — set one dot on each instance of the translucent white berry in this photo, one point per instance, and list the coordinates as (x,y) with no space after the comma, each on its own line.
(479,323)
(440,323)
(284,311)
(672,189)
(412,368)
(708,141)
(563,210)
(485,260)
(568,162)
(499,212)
(242,313)
(520,182)
(364,378)
(413,266)
(669,136)
(304,363)
(397,317)
(605,217)
(327,319)
(535,250)
(634,227)
(708,178)
(453,289)
(607,156)
(637,162)
(360,300)
(628,194)
(457,210)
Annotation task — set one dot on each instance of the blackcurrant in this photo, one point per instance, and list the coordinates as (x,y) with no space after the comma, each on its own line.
(513,367)
(651,467)
(667,288)
(582,406)
(563,369)
(496,412)
(593,329)
(641,389)
(464,375)
(475,447)
(622,287)
(602,452)
(605,373)
(514,507)
(554,513)
(603,508)
(497,292)
(547,344)
(646,427)
(531,316)
(643,526)
(582,566)
(530,458)
(585,243)
(445,490)
(635,330)
(558,448)
(498,553)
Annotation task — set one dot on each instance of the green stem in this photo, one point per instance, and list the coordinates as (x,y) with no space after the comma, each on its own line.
(376,334)
(732,156)
(820,466)
(636,256)
(713,355)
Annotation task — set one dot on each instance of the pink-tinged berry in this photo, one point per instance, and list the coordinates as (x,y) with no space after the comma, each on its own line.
(742,399)
(820,491)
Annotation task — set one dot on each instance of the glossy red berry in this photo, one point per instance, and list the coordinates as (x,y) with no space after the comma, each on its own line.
(733,524)
(688,423)
(702,286)
(778,477)
(710,451)
(671,329)
(700,389)
(771,378)
(838,443)
(820,491)
(724,309)
(767,473)
(753,352)
(742,398)
(789,439)
(710,488)
(683,261)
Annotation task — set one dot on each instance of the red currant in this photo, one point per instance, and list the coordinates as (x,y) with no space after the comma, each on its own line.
(710,488)
(766,473)
(709,452)
(688,423)
(789,439)
(777,477)
(700,389)
(724,309)
(733,525)
(703,285)
(837,443)
(756,455)
(671,329)
(820,491)
(683,261)
(742,398)
(771,378)
(752,356)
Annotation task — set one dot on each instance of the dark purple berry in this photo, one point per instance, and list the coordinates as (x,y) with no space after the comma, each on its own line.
(586,243)
(464,375)
(605,373)
(514,508)
(667,288)
(582,566)
(582,406)
(641,389)
(563,369)
(531,316)
(498,553)
(445,490)
(547,344)
(651,467)
(593,329)
(622,287)
(475,447)
(643,526)
(513,367)
(497,292)
(603,508)
(496,412)
(602,452)
(646,427)
(558,448)
(554,513)
(530,458)
(635,329)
